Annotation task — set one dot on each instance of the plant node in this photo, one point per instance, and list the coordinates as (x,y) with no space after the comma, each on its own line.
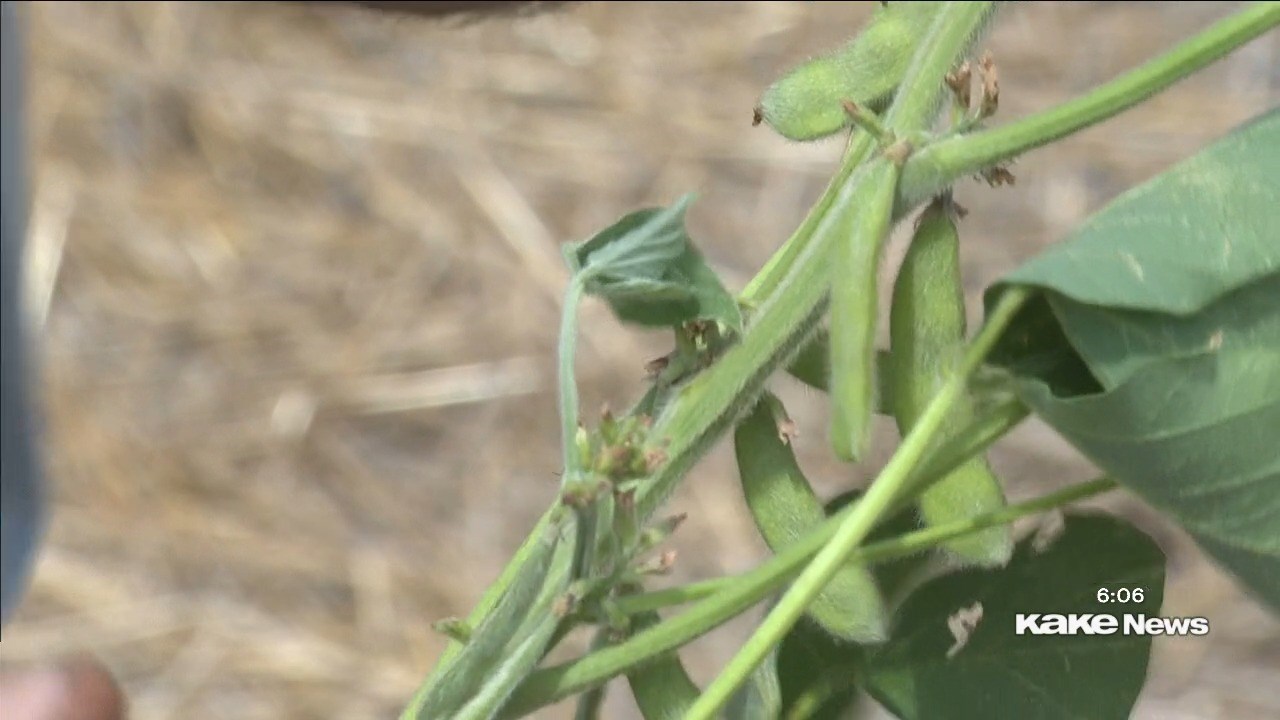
(868,121)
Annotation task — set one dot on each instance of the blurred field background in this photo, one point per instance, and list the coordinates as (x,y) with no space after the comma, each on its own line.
(297,278)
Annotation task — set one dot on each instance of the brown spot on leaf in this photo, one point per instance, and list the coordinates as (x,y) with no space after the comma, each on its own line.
(787,430)
(1049,530)
(962,624)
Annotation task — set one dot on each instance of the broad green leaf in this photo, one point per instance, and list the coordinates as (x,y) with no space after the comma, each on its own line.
(649,272)
(817,672)
(1154,346)
(923,672)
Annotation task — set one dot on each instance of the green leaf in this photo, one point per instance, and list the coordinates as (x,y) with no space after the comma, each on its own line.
(996,673)
(1154,346)
(649,272)
(817,672)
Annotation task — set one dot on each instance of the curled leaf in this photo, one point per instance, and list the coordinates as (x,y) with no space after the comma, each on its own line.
(647,269)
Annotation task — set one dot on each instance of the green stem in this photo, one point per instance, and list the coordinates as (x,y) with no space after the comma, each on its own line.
(957,26)
(936,166)
(813,698)
(518,563)
(877,500)
(555,683)
(558,682)
(789,314)
(972,440)
(919,540)
(968,441)
(679,595)
(591,702)
(584,551)
(990,424)
(765,282)
(879,552)
(568,381)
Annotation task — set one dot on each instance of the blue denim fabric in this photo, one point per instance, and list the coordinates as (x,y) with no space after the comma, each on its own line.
(21,501)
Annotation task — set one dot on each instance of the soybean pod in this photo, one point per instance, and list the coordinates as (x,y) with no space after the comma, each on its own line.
(927,336)
(785,507)
(805,104)
(855,309)
(527,645)
(662,688)
(483,654)
(812,366)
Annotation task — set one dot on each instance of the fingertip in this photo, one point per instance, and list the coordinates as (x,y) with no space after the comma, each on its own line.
(78,689)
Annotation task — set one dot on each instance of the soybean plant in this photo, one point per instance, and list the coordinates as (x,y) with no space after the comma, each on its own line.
(1146,338)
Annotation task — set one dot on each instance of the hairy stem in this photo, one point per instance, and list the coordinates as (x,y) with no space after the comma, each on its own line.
(679,595)
(519,563)
(765,282)
(941,163)
(568,382)
(715,607)
(970,441)
(591,702)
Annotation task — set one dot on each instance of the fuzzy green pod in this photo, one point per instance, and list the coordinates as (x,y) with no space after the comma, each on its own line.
(661,687)
(785,508)
(805,103)
(527,645)
(927,336)
(855,311)
(498,641)
(812,366)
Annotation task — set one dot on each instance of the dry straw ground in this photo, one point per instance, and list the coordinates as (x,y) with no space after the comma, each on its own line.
(297,275)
